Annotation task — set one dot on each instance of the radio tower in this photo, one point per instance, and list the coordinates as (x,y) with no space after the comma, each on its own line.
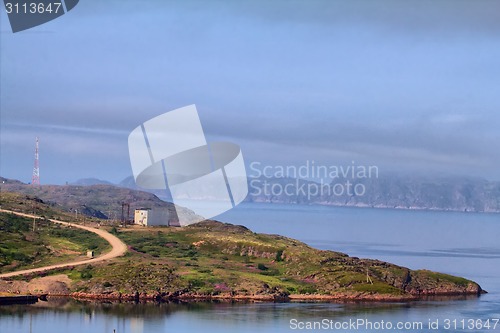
(35,180)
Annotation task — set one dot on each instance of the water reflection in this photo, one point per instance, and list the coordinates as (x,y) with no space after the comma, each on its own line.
(61,314)
(239,310)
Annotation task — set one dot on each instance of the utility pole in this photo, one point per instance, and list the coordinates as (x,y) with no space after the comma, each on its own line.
(3,182)
(125,219)
(34,215)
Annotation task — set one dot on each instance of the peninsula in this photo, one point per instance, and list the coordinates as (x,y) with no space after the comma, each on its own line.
(204,261)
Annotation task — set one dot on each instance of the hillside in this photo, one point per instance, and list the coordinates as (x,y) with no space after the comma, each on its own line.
(100,200)
(21,247)
(215,260)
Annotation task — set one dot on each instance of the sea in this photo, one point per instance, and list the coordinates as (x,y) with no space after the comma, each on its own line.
(459,243)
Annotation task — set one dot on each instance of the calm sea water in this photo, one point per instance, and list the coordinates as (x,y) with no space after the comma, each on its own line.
(463,244)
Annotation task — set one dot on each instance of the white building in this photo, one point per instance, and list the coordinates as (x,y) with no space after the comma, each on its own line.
(151,217)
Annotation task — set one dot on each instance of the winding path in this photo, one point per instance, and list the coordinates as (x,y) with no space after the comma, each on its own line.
(118,247)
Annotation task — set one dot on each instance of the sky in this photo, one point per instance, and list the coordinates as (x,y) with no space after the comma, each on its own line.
(409,86)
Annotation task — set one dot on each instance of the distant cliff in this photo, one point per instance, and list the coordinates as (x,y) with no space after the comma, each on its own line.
(453,194)
(390,191)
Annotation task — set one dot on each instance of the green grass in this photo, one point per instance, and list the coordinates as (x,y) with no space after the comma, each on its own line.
(20,247)
(377,288)
(31,204)
(239,259)
(440,277)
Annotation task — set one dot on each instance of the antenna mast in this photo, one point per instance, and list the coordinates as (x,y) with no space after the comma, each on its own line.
(35,180)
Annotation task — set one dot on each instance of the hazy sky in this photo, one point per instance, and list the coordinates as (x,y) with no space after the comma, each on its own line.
(405,85)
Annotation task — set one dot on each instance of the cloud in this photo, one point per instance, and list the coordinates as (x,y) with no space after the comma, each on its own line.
(454,143)
(448,17)
(399,82)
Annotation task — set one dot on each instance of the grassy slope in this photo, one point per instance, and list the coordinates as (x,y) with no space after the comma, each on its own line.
(30,204)
(22,248)
(98,201)
(213,258)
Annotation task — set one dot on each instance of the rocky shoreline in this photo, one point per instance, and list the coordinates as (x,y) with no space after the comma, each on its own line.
(186,296)
(57,286)
(343,297)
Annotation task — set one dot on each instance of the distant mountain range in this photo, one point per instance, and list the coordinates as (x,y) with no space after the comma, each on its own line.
(394,191)
(448,194)
(102,199)
(91,181)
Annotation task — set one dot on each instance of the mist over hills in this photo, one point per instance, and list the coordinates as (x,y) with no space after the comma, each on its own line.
(91,181)
(100,198)
(464,194)
(448,194)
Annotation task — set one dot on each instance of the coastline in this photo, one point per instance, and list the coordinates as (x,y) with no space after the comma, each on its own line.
(360,205)
(192,297)
(278,298)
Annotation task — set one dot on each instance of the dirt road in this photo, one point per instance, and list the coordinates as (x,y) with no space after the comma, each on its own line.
(118,247)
